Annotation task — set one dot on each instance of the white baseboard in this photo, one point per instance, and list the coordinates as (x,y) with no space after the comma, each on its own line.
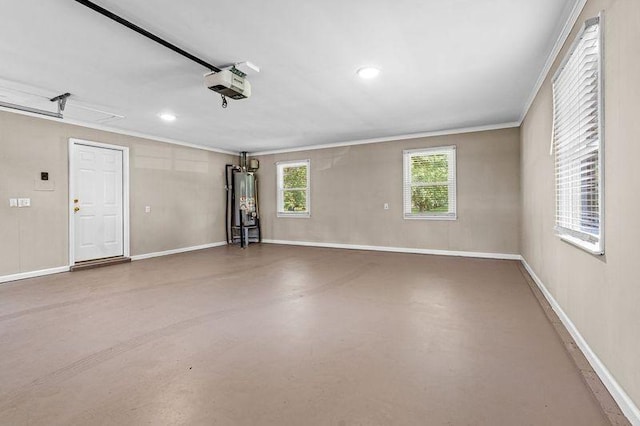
(33,274)
(628,407)
(503,256)
(176,251)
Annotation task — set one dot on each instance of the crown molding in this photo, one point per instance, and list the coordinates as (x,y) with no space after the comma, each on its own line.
(459,131)
(566,31)
(562,39)
(120,131)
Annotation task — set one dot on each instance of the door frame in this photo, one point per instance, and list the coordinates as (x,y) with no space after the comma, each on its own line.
(125,193)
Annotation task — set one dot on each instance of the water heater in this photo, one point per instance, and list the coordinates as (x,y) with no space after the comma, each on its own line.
(242,218)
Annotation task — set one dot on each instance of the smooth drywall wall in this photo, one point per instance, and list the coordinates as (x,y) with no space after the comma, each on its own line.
(351,184)
(601,295)
(183,186)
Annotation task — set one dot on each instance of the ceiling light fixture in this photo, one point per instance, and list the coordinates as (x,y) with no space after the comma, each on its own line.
(167,116)
(368,72)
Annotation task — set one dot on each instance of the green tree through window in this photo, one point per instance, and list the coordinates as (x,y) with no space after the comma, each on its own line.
(293,188)
(429,169)
(430,182)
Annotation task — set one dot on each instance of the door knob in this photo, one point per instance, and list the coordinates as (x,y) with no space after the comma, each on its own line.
(76,209)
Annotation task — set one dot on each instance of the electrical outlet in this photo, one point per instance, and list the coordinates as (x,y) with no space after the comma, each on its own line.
(13,202)
(147,209)
(386,206)
(24,202)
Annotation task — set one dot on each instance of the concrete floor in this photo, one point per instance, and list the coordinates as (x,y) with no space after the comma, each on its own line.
(278,335)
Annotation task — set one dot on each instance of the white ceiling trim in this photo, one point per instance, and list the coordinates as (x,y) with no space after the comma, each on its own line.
(566,31)
(456,97)
(119,131)
(393,138)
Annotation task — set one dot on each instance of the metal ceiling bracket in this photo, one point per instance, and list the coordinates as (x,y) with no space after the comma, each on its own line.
(62,102)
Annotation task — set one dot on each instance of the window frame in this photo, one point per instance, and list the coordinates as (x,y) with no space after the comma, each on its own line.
(593,245)
(280,165)
(452,182)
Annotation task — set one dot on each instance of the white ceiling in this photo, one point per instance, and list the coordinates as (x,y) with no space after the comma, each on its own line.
(445,64)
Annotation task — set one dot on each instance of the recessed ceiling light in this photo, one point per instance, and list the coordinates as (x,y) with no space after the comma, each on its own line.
(368,72)
(167,116)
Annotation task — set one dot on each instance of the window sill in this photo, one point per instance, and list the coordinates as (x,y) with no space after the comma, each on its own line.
(294,215)
(434,217)
(591,248)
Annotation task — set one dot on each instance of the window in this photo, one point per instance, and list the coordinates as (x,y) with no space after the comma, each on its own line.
(577,141)
(293,188)
(430,183)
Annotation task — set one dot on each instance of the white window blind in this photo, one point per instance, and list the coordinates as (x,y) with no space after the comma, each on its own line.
(294,186)
(430,183)
(577,141)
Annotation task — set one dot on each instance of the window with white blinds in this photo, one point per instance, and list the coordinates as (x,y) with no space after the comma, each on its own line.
(294,187)
(430,183)
(577,141)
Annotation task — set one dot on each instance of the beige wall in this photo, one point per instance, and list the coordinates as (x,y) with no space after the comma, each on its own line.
(601,295)
(349,186)
(184,187)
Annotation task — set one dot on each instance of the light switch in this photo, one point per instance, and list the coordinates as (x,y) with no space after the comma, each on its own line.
(24,202)
(13,202)
(386,206)
(147,209)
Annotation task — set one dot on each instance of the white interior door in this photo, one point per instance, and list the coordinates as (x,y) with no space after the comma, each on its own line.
(97,194)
